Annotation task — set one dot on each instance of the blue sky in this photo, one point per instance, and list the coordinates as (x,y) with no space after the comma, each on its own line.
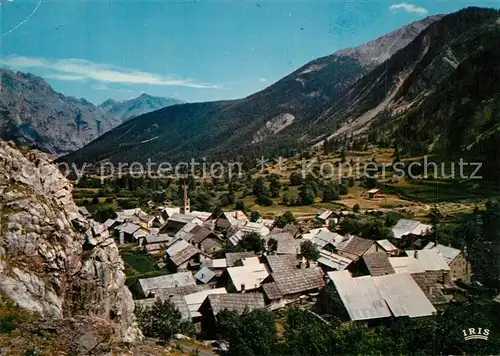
(193,50)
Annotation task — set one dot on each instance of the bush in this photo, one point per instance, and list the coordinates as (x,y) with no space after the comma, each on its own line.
(330,194)
(356,208)
(309,251)
(162,320)
(295,179)
(103,214)
(306,196)
(255,216)
(264,200)
(343,190)
(251,333)
(252,242)
(11,316)
(286,218)
(240,205)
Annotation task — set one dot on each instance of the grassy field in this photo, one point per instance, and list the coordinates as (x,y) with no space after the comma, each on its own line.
(301,212)
(438,191)
(139,264)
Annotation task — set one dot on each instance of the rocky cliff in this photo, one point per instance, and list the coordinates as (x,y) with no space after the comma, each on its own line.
(53,262)
(34,115)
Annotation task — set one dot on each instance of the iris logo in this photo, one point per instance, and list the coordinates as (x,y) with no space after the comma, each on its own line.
(476,334)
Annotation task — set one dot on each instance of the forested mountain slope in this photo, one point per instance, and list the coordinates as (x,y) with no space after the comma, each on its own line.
(273,119)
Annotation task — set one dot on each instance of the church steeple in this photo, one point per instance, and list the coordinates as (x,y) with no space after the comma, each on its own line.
(186,208)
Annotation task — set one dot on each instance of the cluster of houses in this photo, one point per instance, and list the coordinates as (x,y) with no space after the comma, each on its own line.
(354,279)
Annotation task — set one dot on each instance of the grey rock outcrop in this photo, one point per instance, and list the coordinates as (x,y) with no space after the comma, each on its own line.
(53,261)
(34,115)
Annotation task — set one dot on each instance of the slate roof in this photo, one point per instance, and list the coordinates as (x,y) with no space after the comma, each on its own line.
(334,261)
(97,228)
(237,237)
(251,276)
(184,233)
(312,233)
(406,227)
(202,215)
(140,233)
(298,281)
(431,289)
(449,253)
(146,217)
(269,223)
(325,237)
(403,296)
(199,233)
(215,263)
(181,251)
(280,236)
(189,304)
(430,260)
(289,247)
(323,215)
(356,246)
(128,228)
(370,297)
(108,223)
(181,305)
(339,274)
(204,275)
(236,301)
(168,281)
(387,245)
(406,265)
(282,263)
(233,257)
(255,227)
(84,211)
(272,291)
(250,261)
(360,297)
(378,264)
(145,303)
(291,228)
(182,218)
(171,211)
(156,239)
(235,217)
(182,290)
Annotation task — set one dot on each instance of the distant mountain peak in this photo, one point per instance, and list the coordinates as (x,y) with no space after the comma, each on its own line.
(33,114)
(127,109)
(381,49)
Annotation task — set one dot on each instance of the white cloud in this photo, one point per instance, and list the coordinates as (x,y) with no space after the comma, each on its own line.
(74,69)
(66,77)
(414,9)
(263,80)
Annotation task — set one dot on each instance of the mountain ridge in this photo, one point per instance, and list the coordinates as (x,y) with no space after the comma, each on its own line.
(230,127)
(124,110)
(33,114)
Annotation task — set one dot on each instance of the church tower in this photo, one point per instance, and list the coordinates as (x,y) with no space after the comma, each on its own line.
(186,208)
